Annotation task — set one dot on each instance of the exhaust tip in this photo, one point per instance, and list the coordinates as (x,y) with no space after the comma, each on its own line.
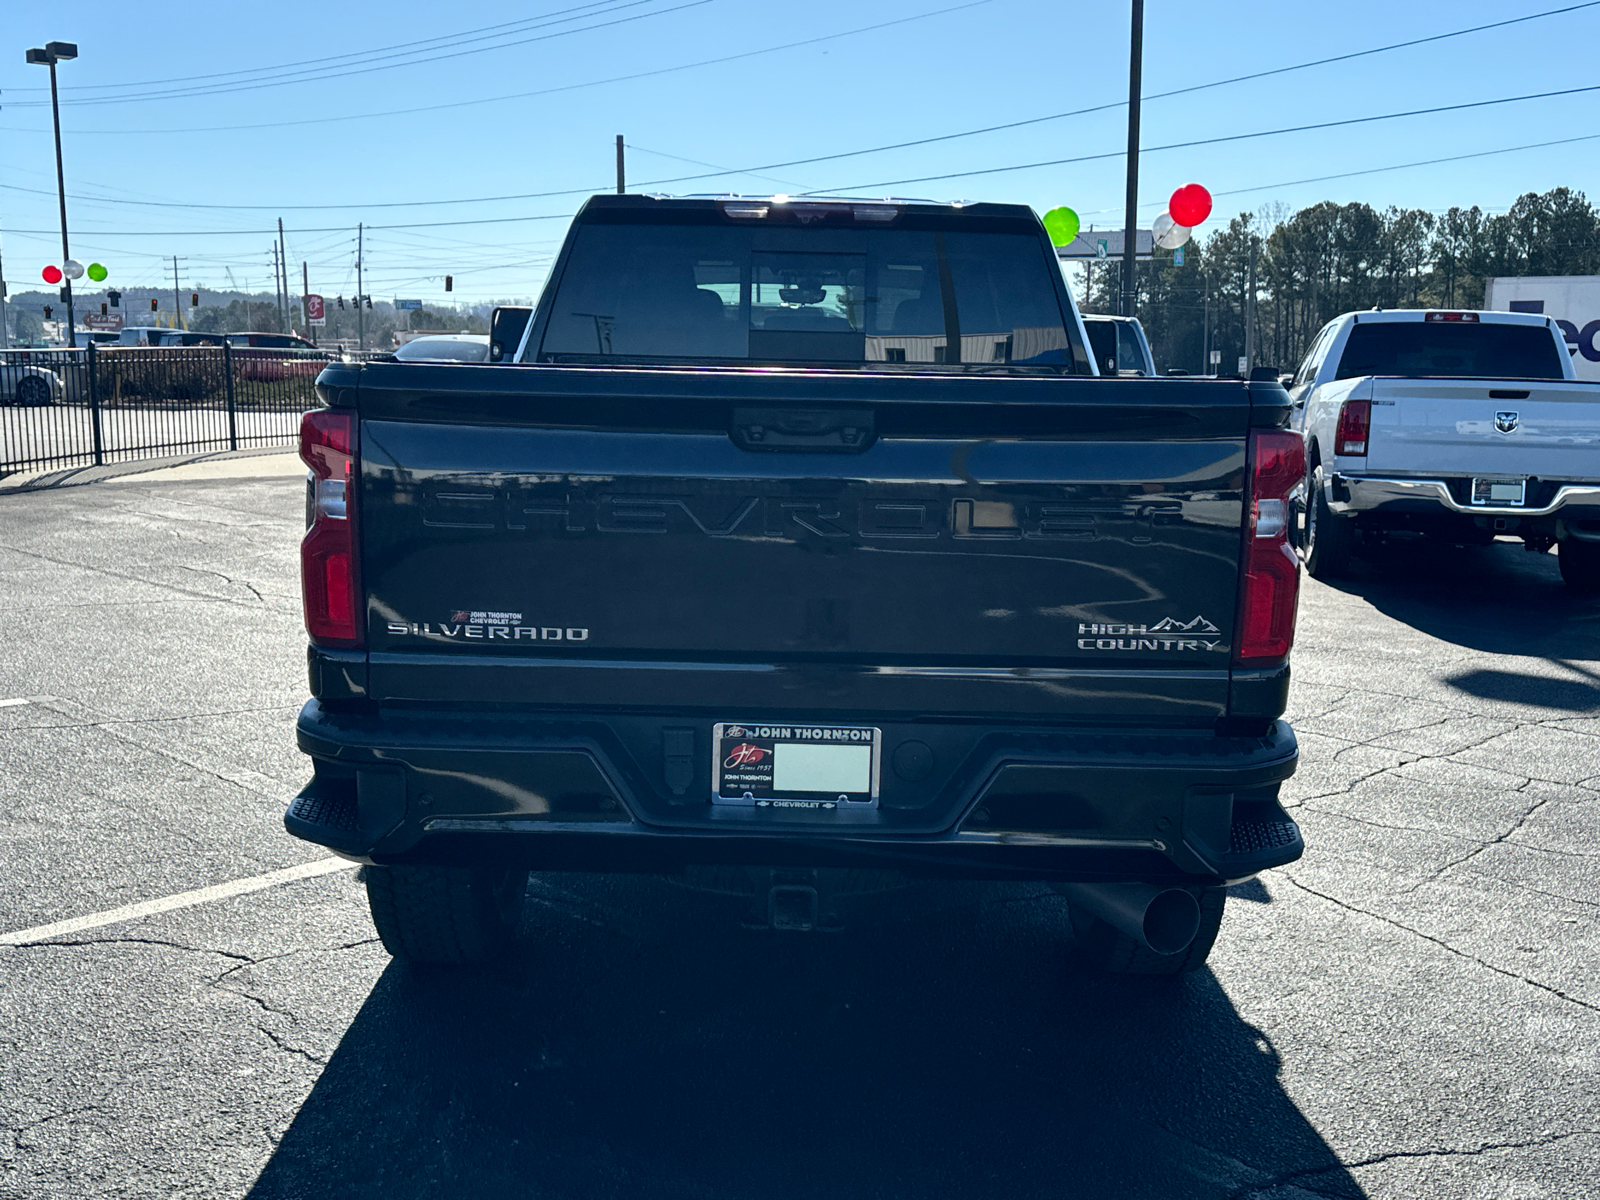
(1171,921)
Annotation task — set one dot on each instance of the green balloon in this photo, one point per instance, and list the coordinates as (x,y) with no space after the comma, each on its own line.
(97,272)
(1062,225)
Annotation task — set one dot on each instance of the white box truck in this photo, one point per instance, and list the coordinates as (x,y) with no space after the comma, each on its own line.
(1574,302)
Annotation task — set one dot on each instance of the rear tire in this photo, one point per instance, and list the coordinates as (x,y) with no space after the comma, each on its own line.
(33,392)
(1580,565)
(1330,538)
(1105,948)
(448,916)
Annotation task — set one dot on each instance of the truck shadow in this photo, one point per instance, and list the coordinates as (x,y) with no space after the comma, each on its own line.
(1496,599)
(643,1045)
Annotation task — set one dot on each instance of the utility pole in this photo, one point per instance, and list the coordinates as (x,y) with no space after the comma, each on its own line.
(622,176)
(305,299)
(177,304)
(5,342)
(277,294)
(1130,286)
(1205,326)
(283,258)
(1250,312)
(361,317)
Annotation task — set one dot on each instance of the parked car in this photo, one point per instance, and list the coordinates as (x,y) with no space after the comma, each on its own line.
(28,384)
(153,335)
(1463,426)
(446,347)
(1120,347)
(799,545)
(272,357)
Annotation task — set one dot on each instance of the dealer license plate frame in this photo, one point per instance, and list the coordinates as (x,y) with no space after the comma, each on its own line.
(752,783)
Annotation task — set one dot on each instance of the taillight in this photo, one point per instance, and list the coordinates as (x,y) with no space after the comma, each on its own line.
(1355,422)
(1271,586)
(329,581)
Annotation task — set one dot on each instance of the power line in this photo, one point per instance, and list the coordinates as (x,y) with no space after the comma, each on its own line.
(958,175)
(721,172)
(1183,91)
(401,112)
(1426,162)
(226,89)
(364,55)
(1235,137)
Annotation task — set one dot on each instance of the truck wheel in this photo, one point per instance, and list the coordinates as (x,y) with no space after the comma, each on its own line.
(1330,538)
(1580,564)
(1107,949)
(444,915)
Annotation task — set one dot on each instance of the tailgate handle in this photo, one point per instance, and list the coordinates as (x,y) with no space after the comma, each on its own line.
(813,430)
(1507,394)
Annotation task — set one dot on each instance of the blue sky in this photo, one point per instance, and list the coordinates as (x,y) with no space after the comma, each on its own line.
(931,67)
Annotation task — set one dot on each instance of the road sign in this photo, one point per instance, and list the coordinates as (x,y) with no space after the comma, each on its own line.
(1244,364)
(314,310)
(407,305)
(1216,358)
(1105,244)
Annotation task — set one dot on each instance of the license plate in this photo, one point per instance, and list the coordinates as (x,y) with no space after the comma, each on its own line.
(1496,492)
(827,767)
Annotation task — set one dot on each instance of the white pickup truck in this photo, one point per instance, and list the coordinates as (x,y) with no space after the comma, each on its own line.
(1462,426)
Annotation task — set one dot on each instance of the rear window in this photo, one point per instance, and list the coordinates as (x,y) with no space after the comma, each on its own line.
(1466,351)
(443,350)
(911,298)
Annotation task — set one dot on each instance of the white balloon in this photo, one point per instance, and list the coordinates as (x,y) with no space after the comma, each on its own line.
(1168,234)
(72,269)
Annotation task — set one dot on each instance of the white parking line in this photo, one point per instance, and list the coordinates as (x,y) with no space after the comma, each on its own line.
(11,703)
(145,908)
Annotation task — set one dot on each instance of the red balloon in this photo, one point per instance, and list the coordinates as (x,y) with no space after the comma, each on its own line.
(52,274)
(1190,204)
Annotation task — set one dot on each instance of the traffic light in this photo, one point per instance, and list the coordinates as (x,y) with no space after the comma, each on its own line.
(154,304)
(341,301)
(47,311)
(115,298)
(194,299)
(449,283)
(369,301)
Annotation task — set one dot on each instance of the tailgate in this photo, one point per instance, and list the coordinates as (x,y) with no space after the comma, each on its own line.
(657,537)
(1465,427)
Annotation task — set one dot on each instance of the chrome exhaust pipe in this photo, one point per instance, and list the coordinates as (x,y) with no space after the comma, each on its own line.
(1164,920)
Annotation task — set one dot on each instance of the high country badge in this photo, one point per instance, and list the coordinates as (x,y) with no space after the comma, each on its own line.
(1166,634)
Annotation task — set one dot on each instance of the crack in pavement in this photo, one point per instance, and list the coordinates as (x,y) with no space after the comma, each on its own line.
(39,702)
(166,587)
(1495,841)
(237,780)
(225,579)
(49,943)
(1277,1181)
(288,1049)
(1443,945)
(18,1132)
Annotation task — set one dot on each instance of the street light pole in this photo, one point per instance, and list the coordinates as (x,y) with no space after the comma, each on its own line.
(52,53)
(1130,284)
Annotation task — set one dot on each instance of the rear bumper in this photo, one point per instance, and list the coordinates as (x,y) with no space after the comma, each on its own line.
(600,792)
(1354,494)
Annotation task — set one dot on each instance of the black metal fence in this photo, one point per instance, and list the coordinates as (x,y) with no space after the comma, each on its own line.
(107,404)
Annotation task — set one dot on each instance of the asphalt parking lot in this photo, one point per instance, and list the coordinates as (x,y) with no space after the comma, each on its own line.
(1411,1010)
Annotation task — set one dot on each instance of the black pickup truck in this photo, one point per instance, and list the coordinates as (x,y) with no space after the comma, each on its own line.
(797,544)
